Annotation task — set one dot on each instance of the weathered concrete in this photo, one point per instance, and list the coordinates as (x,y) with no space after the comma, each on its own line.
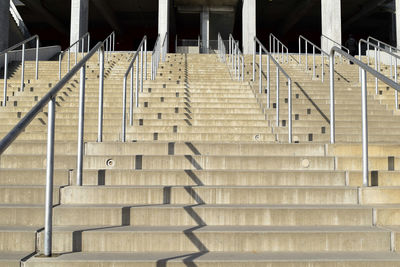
(205,29)
(4,23)
(163,18)
(79,19)
(331,19)
(249,25)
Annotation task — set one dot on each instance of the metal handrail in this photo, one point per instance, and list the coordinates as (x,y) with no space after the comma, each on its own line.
(50,100)
(391,48)
(110,44)
(139,83)
(314,46)
(155,58)
(278,70)
(378,66)
(76,45)
(333,41)
(5,53)
(236,58)
(274,44)
(365,68)
(164,47)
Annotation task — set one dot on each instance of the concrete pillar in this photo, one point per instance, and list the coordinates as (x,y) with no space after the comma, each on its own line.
(4,23)
(163,19)
(205,29)
(79,19)
(398,23)
(331,22)
(249,25)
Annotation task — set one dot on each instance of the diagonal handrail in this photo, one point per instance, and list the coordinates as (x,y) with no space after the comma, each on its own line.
(278,70)
(8,50)
(139,83)
(379,43)
(315,47)
(274,46)
(236,58)
(68,50)
(364,69)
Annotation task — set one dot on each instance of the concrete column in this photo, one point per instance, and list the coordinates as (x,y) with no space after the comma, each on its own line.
(331,22)
(163,19)
(79,19)
(398,23)
(249,25)
(205,29)
(4,23)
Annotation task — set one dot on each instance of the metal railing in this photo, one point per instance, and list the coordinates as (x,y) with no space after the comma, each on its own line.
(8,50)
(50,100)
(377,65)
(336,43)
(76,45)
(110,44)
(221,48)
(365,68)
(236,58)
(139,84)
(277,47)
(278,70)
(314,47)
(164,47)
(155,58)
(385,47)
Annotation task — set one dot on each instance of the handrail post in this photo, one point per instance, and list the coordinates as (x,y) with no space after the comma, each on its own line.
(391,63)
(131,98)
(101,95)
(268,82)
(137,88)
(145,61)
(364,128)
(313,61)
(5,79)
(323,66)
(395,79)
(37,59)
(48,228)
(376,68)
(242,68)
(306,56)
(260,69)
(254,60)
(22,67)
(299,50)
(290,109)
(88,46)
(141,69)
(332,96)
(277,97)
(359,57)
(123,131)
(81,125)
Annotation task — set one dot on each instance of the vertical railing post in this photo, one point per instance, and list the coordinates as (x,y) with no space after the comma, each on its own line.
(277,97)
(322,66)
(81,126)
(260,70)
(88,43)
(22,68)
(48,224)
(268,82)
(306,56)
(37,58)
(395,79)
(145,60)
(313,52)
(141,69)
(364,127)
(376,68)
(101,95)
(137,87)
(290,110)
(254,60)
(299,50)
(123,132)
(131,98)
(332,96)
(5,79)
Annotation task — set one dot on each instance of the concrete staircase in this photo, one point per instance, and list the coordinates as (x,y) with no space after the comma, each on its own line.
(206,178)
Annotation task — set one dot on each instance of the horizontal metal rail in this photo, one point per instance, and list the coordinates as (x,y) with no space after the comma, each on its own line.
(365,68)
(10,49)
(314,47)
(278,70)
(277,47)
(75,45)
(139,84)
(50,100)
(236,58)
